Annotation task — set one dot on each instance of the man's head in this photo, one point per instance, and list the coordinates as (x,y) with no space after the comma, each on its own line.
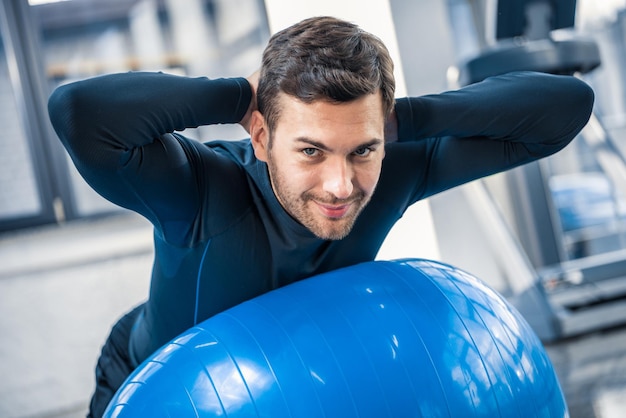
(325,90)
(324,58)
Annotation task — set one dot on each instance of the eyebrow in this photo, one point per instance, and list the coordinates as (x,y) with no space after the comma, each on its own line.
(323,147)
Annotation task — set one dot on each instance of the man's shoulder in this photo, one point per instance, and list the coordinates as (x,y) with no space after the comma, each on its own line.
(239,154)
(237,150)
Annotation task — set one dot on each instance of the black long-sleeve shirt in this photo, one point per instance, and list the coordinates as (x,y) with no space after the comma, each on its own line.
(221,236)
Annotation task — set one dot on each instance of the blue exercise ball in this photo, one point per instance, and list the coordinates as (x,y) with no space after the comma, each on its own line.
(405,338)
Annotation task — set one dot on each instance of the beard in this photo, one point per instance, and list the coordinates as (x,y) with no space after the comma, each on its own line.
(302,206)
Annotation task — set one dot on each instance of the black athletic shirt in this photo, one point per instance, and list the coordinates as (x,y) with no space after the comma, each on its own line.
(221,237)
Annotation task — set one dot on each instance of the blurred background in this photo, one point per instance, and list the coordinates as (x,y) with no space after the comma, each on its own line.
(549,236)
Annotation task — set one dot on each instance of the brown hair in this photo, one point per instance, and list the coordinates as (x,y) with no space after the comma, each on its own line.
(324,58)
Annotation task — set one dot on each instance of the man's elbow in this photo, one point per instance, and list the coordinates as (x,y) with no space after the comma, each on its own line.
(576,109)
(584,100)
(63,107)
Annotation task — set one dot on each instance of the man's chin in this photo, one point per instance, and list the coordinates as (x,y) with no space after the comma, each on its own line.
(337,230)
(331,237)
(332,228)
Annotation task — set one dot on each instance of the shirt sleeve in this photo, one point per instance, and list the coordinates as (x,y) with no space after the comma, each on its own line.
(119,130)
(491,126)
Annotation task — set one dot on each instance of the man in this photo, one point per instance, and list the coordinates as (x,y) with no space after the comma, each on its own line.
(333,162)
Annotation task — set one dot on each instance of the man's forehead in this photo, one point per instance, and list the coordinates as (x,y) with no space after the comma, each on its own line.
(288,104)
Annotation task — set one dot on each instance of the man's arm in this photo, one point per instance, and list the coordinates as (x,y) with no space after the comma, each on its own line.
(117,129)
(253,82)
(488,127)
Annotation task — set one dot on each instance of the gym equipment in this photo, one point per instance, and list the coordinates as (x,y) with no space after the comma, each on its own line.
(405,338)
(553,230)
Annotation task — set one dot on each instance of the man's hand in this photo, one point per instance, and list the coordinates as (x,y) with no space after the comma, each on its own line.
(391,128)
(253,79)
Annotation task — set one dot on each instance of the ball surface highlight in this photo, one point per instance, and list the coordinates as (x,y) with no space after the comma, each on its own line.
(405,338)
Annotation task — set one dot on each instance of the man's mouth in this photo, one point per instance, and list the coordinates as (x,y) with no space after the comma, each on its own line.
(334,211)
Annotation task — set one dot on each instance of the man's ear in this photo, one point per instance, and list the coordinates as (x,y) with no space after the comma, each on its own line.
(259,135)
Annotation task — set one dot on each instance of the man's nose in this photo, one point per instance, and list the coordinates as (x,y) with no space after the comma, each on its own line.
(338,176)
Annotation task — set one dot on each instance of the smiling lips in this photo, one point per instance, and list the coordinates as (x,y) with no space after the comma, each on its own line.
(334,211)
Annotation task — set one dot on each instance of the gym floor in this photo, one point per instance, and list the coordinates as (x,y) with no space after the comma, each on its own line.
(63,287)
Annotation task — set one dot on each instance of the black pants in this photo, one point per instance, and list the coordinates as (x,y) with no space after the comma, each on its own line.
(114,364)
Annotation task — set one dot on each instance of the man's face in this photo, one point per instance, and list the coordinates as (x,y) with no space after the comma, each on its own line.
(324,160)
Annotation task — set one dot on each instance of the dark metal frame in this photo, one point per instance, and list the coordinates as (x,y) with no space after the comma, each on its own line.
(30,88)
(20,33)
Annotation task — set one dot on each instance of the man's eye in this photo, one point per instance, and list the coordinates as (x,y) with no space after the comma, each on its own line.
(310,152)
(363,152)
